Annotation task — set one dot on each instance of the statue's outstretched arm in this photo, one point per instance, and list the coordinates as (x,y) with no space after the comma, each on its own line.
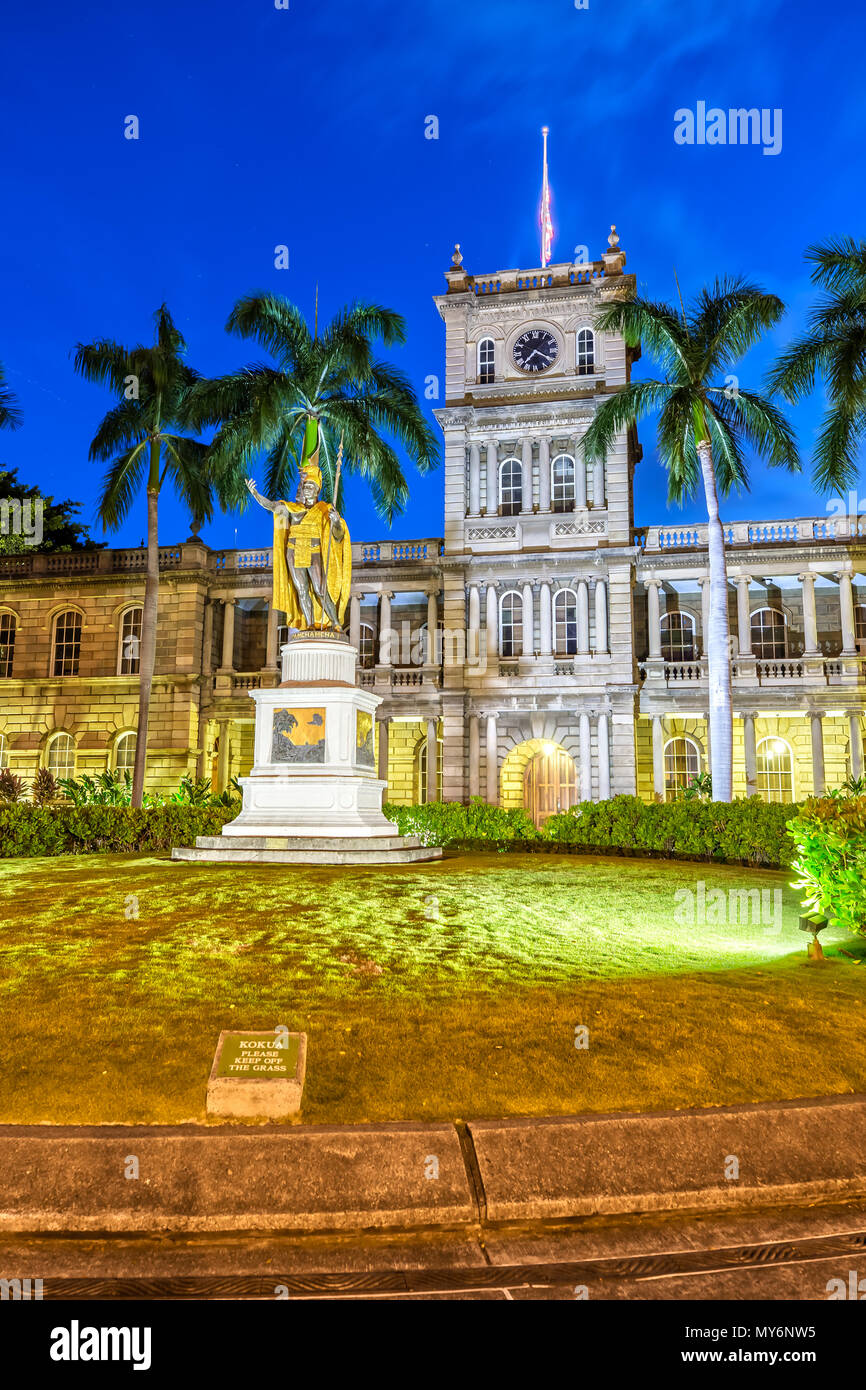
(276,507)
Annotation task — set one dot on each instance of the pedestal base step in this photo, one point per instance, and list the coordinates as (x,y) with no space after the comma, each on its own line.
(307,849)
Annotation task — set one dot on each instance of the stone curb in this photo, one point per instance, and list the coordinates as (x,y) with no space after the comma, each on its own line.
(416,1176)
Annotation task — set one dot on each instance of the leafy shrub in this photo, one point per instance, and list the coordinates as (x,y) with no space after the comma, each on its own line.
(748,831)
(12,788)
(106,789)
(44,787)
(451,823)
(829,835)
(29,830)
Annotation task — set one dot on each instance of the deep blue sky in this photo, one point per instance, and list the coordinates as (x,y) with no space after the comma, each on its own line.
(306,127)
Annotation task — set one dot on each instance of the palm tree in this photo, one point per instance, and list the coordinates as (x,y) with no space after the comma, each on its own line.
(834,346)
(701,430)
(323,388)
(138,439)
(10,415)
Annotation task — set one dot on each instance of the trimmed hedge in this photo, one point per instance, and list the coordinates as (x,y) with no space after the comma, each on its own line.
(747,831)
(829,835)
(29,830)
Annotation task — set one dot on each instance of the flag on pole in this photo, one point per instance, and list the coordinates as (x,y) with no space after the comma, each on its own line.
(545,218)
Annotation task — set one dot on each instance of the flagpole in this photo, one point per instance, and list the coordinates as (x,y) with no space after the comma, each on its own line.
(546,224)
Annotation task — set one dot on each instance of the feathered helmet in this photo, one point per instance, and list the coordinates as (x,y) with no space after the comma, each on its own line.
(311,472)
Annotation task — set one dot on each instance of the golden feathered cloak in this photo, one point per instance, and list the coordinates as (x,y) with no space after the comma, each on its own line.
(308,539)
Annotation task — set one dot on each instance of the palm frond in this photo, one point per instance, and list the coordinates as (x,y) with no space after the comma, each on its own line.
(10,412)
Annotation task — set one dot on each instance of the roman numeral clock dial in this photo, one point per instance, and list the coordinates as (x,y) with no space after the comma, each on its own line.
(535,350)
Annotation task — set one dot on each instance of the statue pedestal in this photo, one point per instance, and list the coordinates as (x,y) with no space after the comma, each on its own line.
(312,795)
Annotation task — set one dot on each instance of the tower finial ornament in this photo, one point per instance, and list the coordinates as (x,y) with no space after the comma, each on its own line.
(613,239)
(457,258)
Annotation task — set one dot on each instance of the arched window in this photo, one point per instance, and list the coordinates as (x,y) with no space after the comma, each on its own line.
(859,627)
(682,763)
(585,359)
(67,643)
(124,753)
(7,643)
(129,657)
(4,752)
(511,624)
(367,646)
(562,483)
(769,639)
(775,770)
(421,771)
(565,622)
(678,637)
(510,487)
(486,361)
(60,755)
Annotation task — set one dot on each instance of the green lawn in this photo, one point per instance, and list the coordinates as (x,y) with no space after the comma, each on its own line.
(443,990)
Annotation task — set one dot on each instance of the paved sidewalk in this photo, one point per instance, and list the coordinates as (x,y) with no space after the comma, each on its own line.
(425,1177)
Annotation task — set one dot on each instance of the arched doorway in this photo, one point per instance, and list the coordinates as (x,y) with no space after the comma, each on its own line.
(549,783)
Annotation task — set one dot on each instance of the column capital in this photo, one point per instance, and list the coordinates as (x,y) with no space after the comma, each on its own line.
(807,576)
(741,579)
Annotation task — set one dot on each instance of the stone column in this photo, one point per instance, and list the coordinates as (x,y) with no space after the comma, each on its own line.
(598,499)
(228,658)
(653,618)
(432,625)
(545,621)
(705,617)
(585,769)
(818,779)
(750,753)
(207,639)
(473,645)
(810,617)
(744,615)
(855,742)
(492,478)
(432,760)
(544,475)
(579,476)
(603,758)
(601,647)
(526,475)
(383,753)
(492,621)
(492,763)
(582,618)
(385,629)
(474,479)
(528,622)
(273,656)
(658,758)
(355,622)
(846,605)
(474,757)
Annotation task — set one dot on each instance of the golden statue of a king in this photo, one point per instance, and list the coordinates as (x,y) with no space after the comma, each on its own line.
(312,554)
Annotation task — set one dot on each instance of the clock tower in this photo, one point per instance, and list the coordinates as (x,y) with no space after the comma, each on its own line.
(538,554)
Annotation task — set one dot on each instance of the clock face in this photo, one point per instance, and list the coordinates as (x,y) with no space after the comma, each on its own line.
(535,350)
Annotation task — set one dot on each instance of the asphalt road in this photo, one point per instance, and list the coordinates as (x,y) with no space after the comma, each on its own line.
(764,1254)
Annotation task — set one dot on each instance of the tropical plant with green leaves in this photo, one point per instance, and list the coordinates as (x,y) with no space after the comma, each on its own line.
(323,388)
(143,439)
(704,419)
(834,349)
(10,413)
(105,789)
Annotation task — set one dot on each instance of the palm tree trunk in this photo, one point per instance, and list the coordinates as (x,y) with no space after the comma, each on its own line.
(717,641)
(148,626)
